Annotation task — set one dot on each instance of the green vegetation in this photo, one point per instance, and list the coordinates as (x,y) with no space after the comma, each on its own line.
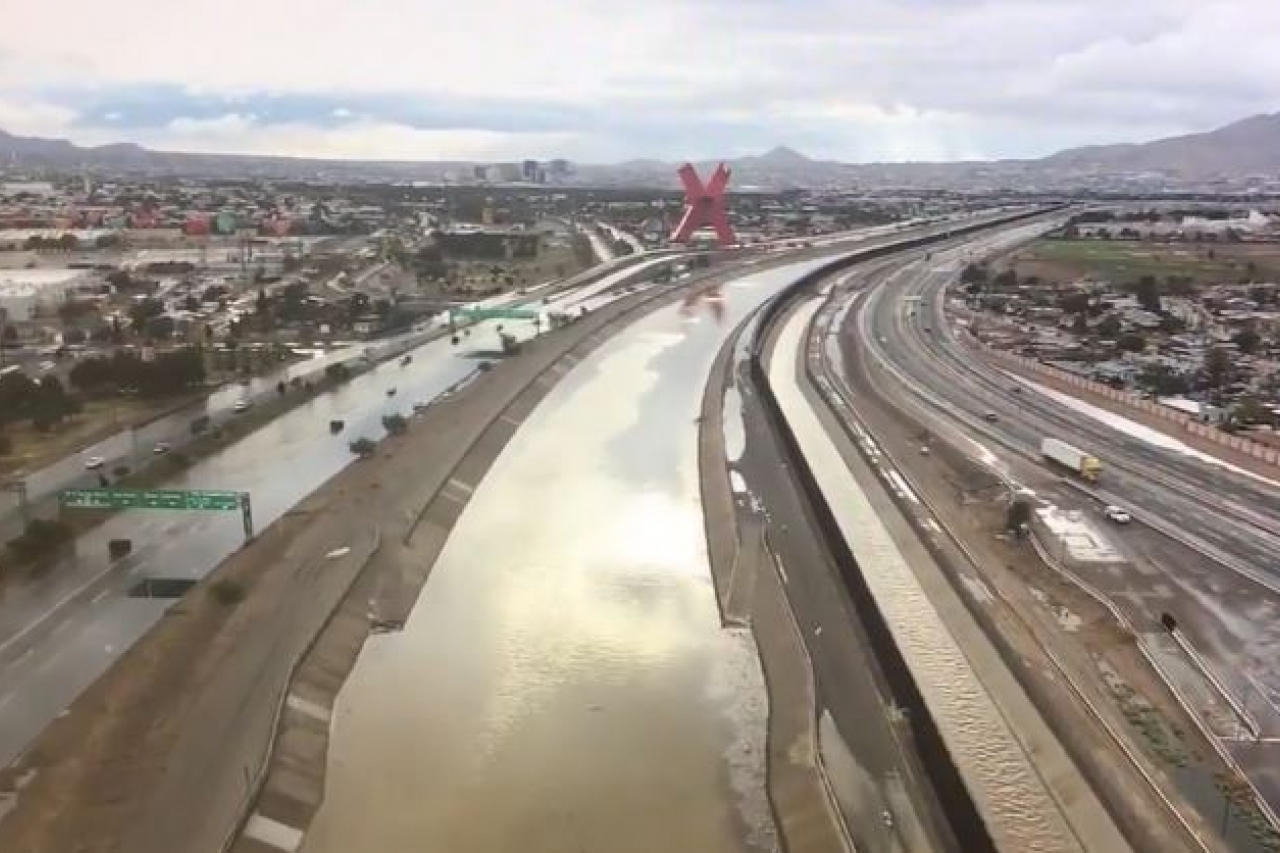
(169,373)
(1018,515)
(395,424)
(40,539)
(363,447)
(44,402)
(1130,260)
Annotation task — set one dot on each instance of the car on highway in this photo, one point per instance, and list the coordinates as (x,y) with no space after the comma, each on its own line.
(93,463)
(241,406)
(990,417)
(160,448)
(1116,514)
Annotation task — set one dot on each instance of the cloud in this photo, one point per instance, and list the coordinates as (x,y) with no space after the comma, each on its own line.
(879,79)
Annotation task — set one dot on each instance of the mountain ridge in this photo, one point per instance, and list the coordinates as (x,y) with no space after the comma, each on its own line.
(1250,146)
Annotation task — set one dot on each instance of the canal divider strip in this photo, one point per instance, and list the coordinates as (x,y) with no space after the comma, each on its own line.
(289,787)
(792,786)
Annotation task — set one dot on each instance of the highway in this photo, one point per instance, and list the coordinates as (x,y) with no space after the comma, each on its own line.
(1205,536)
(60,631)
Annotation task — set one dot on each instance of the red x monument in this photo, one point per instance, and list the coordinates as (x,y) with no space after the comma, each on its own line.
(704,205)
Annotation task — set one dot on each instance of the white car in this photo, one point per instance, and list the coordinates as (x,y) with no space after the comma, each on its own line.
(93,463)
(1117,514)
(242,406)
(161,447)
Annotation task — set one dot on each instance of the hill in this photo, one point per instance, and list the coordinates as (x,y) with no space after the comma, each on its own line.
(1234,154)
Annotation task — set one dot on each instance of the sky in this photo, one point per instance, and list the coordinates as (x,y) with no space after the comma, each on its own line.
(610,80)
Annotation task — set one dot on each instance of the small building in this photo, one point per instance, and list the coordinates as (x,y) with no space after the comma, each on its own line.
(1203,412)
(25,293)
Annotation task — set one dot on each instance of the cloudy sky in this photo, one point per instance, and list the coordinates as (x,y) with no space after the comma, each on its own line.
(605,80)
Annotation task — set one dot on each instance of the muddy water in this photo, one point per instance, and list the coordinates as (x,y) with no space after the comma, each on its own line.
(564,683)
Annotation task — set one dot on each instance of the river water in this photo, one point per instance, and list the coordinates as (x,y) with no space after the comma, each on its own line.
(564,683)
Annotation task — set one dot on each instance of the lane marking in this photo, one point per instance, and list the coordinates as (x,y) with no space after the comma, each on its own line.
(461,486)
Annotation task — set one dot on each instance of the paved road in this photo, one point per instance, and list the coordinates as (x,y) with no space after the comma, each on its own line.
(1205,545)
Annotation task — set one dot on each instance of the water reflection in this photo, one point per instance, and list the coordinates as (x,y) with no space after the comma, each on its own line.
(564,683)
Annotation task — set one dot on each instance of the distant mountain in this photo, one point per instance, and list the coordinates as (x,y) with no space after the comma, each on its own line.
(1230,155)
(1247,147)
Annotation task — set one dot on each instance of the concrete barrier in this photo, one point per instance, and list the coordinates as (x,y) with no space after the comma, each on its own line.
(1178,421)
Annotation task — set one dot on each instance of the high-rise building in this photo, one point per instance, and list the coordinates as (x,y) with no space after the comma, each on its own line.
(529,170)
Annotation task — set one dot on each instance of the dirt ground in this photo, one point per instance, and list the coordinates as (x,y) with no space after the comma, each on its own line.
(1122,261)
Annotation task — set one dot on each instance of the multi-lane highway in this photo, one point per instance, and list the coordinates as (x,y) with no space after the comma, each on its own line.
(1204,543)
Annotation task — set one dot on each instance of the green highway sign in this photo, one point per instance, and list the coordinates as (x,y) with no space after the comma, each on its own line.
(149,499)
(478,314)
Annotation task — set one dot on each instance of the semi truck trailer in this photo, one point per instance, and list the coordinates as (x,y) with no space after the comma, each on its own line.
(1058,452)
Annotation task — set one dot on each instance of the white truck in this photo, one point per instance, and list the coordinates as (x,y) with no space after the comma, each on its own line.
(1058,452)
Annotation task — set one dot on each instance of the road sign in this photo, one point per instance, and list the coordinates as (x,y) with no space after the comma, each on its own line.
(149,499)
(478,314)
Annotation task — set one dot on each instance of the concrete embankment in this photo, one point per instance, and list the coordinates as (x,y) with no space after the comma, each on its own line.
(157,754)
(295,783)
(749,592)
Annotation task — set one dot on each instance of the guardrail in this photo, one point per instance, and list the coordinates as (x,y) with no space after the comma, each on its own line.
(954,797)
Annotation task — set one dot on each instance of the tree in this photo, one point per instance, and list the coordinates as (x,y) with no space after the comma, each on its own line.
(394,424)
(1160,380)
(75,309)
(1250,410)
(1131,342)
(143,310)
(160,328)
(120,279)
(1110,326)
(363,447)
(74,336)
(1247,340)
(1074,303)
(1217,367)
(1006,279)
(1147,292)
(9,337)
(974,274)
(1018,515)
(1080,325)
